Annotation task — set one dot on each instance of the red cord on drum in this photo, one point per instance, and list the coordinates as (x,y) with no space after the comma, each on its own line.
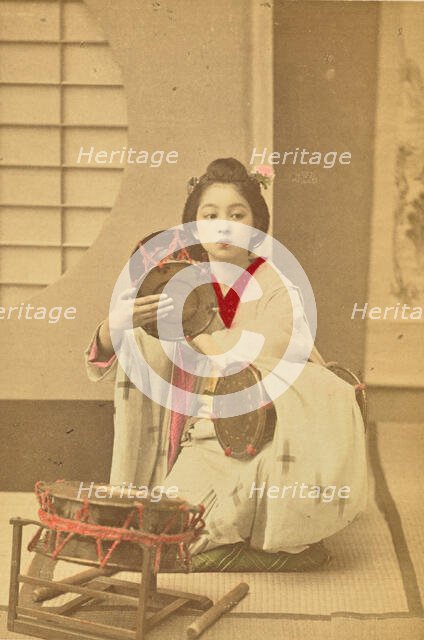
(193,526)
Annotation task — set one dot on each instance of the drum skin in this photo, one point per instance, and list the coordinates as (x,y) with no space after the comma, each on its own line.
(244,436)
(196,306)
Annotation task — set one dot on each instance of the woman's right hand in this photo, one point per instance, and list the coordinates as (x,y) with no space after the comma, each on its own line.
(129,312)
(139,311)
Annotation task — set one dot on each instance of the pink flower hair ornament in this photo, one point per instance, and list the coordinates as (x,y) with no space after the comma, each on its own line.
(264,174)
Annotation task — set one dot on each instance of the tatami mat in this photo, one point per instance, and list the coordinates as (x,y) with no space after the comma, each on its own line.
(401,455)
(237,629)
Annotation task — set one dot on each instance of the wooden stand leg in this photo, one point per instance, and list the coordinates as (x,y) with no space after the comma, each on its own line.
(14,575)
(153,582)
(145,586)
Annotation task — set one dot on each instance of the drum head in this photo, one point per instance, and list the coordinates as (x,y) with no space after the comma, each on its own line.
(196,306)
(241,436)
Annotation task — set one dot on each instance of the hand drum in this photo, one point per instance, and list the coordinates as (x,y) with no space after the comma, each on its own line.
(243,436)
(193,295)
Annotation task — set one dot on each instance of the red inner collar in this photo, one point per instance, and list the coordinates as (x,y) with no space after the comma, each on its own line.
(228,304)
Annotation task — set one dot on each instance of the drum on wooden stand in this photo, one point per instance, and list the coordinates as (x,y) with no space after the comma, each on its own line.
(113,526)
(113,533)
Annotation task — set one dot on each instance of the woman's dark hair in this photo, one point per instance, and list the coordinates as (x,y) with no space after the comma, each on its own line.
(223,170)
(228,171)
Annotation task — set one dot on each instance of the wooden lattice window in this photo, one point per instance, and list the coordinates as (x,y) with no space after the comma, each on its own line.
(61,90)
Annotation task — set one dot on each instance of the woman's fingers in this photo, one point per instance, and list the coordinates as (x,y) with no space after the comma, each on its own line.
(142,319)
(161,313)
(142,310)
(148,312)
(129,294)
(147,308)
(153,298)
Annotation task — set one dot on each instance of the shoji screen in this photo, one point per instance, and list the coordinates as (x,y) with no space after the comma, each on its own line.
(61,90)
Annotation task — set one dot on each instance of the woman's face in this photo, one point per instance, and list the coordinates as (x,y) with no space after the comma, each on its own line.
(222,204)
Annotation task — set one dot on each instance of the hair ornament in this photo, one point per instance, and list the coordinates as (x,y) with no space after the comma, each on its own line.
(191,184)
(264,174)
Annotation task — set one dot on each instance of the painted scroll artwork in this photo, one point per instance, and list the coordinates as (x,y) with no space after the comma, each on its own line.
(408,236)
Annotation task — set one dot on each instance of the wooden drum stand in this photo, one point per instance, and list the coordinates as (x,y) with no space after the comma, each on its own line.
(109,536)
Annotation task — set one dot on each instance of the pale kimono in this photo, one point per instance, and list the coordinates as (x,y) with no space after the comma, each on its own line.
(318,441)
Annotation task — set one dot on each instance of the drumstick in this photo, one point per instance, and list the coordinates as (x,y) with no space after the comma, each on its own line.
(219,608)
(40,594)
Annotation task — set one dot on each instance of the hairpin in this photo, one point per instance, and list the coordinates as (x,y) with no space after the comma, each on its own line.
(193,182)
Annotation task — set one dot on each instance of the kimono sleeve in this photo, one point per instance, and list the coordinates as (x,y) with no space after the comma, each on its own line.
(96,369)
